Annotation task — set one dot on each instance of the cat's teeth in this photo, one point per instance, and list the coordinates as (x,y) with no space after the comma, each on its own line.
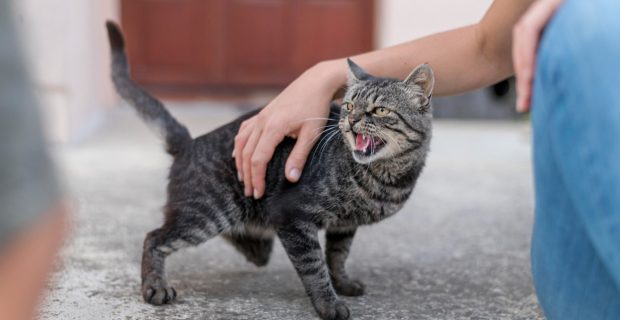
(362,142)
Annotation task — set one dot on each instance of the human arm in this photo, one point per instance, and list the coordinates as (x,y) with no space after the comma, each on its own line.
(463,59)
(33,218)
(27,261)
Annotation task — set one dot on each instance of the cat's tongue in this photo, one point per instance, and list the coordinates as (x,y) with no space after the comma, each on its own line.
(361,142)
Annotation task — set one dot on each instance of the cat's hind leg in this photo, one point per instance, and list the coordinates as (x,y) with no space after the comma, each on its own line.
(336,252)
(183,228)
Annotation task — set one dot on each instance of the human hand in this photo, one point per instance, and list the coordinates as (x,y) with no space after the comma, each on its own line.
(525,37)
(300,111)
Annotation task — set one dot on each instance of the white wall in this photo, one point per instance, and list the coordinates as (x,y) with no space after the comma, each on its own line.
(403,20)
(65,42)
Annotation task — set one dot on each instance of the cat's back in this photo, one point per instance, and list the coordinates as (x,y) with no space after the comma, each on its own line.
(206,165)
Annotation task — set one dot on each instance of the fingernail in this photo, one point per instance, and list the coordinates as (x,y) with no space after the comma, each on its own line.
(255,194)
(294,173)
(233,154)
(248,193)
(240,176)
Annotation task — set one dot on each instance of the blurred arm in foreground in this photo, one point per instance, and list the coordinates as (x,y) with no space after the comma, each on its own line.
(32,217)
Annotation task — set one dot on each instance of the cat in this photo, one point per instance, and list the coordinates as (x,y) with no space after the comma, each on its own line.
(362,171)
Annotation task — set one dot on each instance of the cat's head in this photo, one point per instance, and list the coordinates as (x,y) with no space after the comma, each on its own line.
(386,118)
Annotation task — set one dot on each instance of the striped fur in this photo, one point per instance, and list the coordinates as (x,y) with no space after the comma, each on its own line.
(339,190)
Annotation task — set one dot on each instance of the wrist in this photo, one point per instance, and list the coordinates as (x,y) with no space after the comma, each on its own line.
(332,73)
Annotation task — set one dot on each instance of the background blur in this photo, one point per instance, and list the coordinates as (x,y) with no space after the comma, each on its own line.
(459,249)
(238,51)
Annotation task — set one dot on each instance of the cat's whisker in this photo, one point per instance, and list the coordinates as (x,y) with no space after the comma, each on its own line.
(313,119)
(380,135)
(326,143)
(394,140)
(327,126)
(382,141)
(318,147)
(328,132)
(385,134)
(326,129)
(330,137)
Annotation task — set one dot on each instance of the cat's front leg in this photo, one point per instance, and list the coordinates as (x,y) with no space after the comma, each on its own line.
(300,240)
(336,251)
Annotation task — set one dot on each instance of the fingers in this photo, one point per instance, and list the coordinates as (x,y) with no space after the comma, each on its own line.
(523,56)
(271,136)
(254,147)
(246,163)
(246,128)
(306,98)
(297,159)
(526,35)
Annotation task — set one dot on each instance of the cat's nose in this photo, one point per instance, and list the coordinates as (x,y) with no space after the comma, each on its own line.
(353,119)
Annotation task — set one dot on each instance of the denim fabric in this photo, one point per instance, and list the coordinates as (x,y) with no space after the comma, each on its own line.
(576,120)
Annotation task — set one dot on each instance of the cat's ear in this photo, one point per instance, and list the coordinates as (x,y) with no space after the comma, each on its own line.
(422,79)
(356,73)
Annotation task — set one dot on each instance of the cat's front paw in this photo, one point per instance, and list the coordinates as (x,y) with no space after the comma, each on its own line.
(337,310)
(157,292)
(350,288)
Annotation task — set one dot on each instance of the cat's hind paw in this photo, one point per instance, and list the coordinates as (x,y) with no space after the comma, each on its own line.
(350,288)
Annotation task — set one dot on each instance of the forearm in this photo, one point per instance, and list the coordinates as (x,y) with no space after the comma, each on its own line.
(26,263)
(463,59)
(457,57)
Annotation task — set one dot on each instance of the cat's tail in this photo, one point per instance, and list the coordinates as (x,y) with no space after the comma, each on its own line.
(149,108)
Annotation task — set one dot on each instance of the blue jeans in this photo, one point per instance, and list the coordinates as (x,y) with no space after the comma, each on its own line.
(576,120)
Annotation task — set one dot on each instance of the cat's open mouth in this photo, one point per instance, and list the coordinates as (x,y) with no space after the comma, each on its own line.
(367,145)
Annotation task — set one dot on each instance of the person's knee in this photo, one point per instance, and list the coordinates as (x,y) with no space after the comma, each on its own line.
(578,51)
(584,31)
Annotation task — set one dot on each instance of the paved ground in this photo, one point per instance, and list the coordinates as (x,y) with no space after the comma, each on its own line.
(458,250)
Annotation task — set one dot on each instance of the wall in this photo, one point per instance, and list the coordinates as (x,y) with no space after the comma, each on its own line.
(403,20)
(69,56)
(65,42)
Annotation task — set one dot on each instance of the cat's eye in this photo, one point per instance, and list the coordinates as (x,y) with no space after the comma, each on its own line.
(381,111)
(348,106)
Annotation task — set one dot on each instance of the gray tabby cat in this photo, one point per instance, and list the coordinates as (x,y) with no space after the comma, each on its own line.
(362,171)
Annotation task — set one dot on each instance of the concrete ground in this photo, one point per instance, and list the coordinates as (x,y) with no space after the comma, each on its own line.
(458,250)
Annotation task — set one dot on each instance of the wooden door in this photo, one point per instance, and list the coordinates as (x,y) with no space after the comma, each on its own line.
(190,45)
